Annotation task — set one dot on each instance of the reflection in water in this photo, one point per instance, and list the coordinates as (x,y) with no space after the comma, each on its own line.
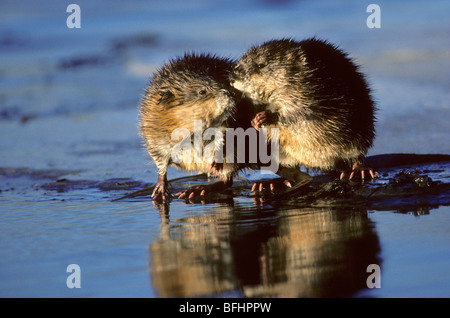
(264,252)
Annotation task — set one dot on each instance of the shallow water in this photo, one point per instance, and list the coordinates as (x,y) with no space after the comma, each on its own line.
(230,248)
(69,146)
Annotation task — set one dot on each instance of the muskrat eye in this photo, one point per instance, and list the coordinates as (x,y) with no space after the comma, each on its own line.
(202,92)
(261,65)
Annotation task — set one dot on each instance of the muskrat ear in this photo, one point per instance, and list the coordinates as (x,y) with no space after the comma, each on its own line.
(165,96)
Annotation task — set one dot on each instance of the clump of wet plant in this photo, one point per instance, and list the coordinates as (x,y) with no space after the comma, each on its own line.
(413,177)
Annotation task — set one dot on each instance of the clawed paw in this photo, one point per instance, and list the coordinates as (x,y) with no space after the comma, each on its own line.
(272,185)
(216,168)
(161,191)
(359,169)
(259,120)
(192,192)
(264,191)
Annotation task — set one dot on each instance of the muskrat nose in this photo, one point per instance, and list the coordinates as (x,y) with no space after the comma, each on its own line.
(229,92)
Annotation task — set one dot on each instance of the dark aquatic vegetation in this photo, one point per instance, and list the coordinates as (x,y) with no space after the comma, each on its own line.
(394,186)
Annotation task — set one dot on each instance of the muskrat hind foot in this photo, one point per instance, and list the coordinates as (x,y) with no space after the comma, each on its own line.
(272,185)
(203,190)
(216,168)
(192,192)
(262,195)
(358,166)
(263,191)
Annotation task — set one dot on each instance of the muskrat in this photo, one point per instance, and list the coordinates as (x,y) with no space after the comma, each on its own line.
(185,92)
(317,98)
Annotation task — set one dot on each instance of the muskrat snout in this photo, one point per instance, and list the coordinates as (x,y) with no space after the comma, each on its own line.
(237,74)
(236,82)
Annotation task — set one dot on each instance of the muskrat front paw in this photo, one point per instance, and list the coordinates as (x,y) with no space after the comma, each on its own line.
(259,120)
(161,191)
(358,167)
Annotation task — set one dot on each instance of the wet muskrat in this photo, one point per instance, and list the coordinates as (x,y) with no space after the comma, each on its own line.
(187,97)
(317,98)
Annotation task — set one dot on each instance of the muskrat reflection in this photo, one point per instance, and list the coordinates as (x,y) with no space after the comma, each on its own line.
(264,253)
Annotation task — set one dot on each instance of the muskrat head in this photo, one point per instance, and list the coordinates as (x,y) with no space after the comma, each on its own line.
(261,69)
(196,87)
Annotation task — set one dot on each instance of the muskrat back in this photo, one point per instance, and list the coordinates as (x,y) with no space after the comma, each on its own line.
(322,103)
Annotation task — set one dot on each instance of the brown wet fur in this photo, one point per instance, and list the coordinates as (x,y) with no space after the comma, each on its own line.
(189,88)
(316,97)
